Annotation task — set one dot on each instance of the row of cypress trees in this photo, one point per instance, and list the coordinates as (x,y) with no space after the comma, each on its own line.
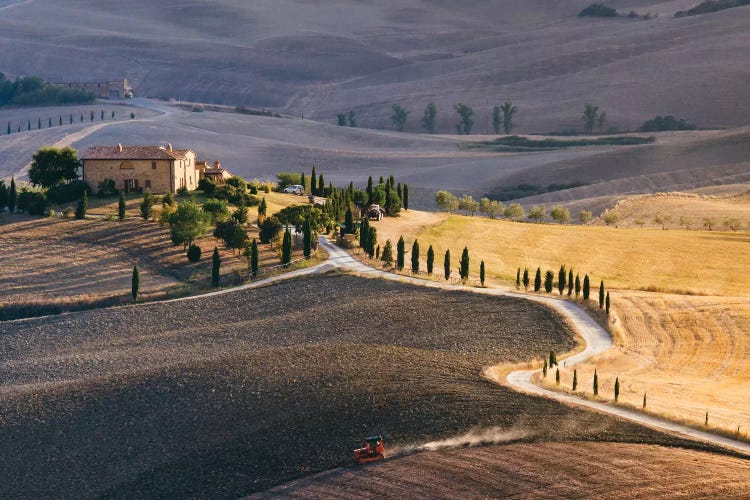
(386,256)
(565,281)
(50,122)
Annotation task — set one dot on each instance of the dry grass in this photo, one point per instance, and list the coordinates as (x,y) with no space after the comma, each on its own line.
(566,470)
(685,210)
(689,354)
(56,264)
(692,261)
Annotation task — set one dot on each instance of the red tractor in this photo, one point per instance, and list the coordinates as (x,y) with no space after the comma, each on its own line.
(372,450)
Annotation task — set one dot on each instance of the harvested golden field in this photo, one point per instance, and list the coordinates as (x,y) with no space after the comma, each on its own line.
(55,264)
(566,470)
(688,354)
(701,262)
(684,210)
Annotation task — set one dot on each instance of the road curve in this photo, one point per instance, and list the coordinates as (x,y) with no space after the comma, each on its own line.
(597,340)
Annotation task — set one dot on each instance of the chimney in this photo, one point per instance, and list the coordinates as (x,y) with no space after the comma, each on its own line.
(169,147)
(217,165)
(119,148)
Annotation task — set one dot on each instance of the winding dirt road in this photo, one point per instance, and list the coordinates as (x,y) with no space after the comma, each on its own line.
(596,340)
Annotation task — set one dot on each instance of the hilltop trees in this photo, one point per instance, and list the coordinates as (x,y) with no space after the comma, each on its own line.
(446,201)
(509,111)
(465,113)
(429,119)
(399,117)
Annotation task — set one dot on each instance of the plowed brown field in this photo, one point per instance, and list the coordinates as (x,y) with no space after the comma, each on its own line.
(566,470)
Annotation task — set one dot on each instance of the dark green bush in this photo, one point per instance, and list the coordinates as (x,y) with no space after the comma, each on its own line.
(194,253)
(598,10)
(68,192)
(32,202)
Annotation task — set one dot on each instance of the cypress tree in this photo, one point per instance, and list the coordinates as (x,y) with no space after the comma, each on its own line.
(706,423)
(50,122)
(575,380)
(121,206)
(377,252)
(370,190)
(400,251)
(481,273)
(9,130)
(349,221)
(381,181)
(617,388)
(372,239)
(81,117)
(447,265)
(405,198)
(262,207)
(596,383)
(83,205)
(321,186)
(606,303)
(113,114)
(561,279)
(92,115)
(544,369)
(578,285)
(364,233)
(552,359)
(307,238)
(387,255)
(570,282)
(102,115)
(518,278)
(464,265)
(601,295)
(254,257)
(28,126)
(60,120)
(400,193)
(538,279)
(39,124)
(215,268)
(314,182)
(71,119)
(430,260)
(392,181)
(303,181)
(644,400)
(415,257)
(286,248)
(526,279)
(549,278)
(586,287)
(12,196)
(557,377)
(135,283)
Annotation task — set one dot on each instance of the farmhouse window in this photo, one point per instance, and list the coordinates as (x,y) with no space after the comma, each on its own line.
(131,185)
(153,165)
(148,184)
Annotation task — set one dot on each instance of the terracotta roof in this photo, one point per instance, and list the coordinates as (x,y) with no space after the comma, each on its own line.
(132,153)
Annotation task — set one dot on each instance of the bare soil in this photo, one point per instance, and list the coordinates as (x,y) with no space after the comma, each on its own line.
(221,396)
(566,470)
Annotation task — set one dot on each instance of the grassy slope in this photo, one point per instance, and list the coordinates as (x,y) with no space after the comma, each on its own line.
(622,257)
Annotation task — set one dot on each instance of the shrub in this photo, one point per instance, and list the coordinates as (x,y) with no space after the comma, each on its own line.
(231,233)
(270,229)
(106,188)
(68,192)
(665,123)
(149,200)
(83,205)
(598,10)
(194,253)
(207,186)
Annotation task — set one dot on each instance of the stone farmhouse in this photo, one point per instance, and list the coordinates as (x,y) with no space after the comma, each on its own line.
(159,169)
(117,89)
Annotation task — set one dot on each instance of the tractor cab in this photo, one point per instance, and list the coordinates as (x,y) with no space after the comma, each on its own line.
(372,450)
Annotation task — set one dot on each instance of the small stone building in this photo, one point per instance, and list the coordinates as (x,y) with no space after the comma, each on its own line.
(113,89)
(159,169)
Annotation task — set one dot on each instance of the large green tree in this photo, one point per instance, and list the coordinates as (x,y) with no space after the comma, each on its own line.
(187,223)
(52,166)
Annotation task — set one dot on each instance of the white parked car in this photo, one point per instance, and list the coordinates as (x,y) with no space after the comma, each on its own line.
(295,189)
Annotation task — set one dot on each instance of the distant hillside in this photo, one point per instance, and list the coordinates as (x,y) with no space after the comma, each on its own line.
(333,56)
